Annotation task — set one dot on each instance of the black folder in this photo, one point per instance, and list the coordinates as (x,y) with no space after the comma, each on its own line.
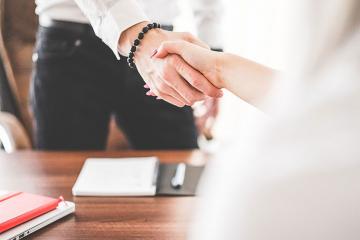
(189,187)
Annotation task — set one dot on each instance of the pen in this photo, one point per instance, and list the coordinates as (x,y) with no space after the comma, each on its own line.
(178,180)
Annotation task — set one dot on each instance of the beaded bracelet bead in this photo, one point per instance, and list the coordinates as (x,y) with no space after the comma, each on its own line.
(137,42)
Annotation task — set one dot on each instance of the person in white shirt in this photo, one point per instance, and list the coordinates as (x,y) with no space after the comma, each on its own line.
(80,79)
(296,176)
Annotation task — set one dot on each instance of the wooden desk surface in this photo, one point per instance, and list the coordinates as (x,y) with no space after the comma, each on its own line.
(54,173)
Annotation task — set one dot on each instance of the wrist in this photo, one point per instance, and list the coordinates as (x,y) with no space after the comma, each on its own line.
(150,42)
(128,36)
(145,49)
(220,59)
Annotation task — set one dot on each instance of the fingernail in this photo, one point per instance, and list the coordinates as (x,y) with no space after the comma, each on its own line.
(158,98)
(155,52)
(221,93)
(148,93)
(146,86)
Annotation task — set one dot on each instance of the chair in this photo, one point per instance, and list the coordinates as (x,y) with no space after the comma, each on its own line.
(18,25)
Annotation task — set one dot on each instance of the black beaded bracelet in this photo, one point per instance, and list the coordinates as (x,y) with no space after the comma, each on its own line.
(137,42)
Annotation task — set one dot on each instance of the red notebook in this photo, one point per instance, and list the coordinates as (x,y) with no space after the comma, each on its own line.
(19,207)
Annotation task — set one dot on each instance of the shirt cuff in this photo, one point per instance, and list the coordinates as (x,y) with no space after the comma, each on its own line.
(120,17)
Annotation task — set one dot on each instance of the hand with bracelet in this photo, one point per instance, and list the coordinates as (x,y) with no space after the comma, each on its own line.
(170,78)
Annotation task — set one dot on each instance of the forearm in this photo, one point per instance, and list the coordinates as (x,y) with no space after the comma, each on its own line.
(247,79)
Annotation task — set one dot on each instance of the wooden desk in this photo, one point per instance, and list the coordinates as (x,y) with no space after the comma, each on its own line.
(54,173)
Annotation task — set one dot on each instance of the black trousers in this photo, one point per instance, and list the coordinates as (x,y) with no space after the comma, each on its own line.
(77,84)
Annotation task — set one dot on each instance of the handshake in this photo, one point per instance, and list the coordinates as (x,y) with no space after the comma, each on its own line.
(176,67)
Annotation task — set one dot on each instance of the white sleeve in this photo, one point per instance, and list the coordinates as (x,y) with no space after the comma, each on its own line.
(109,18)
(208,20)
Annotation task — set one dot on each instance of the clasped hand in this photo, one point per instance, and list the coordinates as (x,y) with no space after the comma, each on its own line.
(167,75)
(197,60)
(191,77)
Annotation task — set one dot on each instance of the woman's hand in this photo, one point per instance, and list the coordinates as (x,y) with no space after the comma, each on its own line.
(202,59)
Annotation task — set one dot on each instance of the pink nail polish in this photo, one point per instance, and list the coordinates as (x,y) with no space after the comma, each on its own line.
(146,86)
(148,93)
(155,52)
(221,93)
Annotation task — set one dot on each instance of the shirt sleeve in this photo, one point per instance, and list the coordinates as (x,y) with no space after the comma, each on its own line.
(208,20)
(109,18)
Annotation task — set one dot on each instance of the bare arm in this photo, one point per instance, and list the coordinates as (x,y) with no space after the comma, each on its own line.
(247,79)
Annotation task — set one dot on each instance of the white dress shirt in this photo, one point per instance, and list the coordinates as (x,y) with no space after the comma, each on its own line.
(110,18)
